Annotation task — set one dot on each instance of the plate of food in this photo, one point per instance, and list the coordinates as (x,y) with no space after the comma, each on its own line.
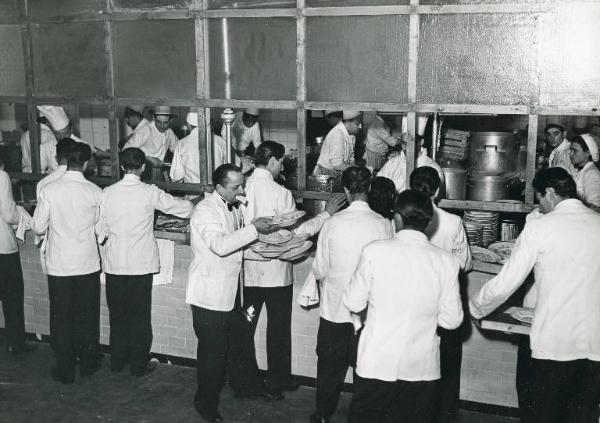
(280,237)
(502,249)
(483,254)
(287,219)
(296,253)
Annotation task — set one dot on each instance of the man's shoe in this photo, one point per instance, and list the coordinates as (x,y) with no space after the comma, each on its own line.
(293,385)
(317,418)
(24,348)
(273,395)
(60,378)
(150,367)
(207,416)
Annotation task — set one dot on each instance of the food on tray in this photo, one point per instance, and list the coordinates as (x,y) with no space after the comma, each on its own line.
(502,249)
(287,219)
(278,237)
(485,255)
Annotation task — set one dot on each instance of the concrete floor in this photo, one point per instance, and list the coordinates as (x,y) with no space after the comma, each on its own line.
(28,394)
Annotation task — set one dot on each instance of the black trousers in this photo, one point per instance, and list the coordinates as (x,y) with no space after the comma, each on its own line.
(278,302)
(75,322)
(523,379)
(129,299)
(377,401)
(11,295)
(216,331)
(336,351)
(563,391)
(448,398)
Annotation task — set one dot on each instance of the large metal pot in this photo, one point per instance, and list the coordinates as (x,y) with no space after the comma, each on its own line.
(484,186)
(494,152)
(456,183)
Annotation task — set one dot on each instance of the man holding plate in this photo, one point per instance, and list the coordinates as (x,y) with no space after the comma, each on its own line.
(270,282)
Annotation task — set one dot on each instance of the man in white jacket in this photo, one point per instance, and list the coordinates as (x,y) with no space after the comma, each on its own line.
(271,282)
(446,230)
(214,283)
(562,249)
(410,287)
(131,258)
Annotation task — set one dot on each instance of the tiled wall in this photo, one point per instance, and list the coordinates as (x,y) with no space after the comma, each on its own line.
(489,362)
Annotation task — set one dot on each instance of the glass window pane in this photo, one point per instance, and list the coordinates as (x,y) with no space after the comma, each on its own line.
(347,3)
(151,4)
(251,4)
(155,59)
(10,8)
(357,58)
(12,66)
(261,59)
(569,59)
(429,2)
(69,60)
(45,8)
(13,123)
(475,59)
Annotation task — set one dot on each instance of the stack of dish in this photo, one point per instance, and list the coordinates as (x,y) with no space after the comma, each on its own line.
(474,233)
(281,244)
(287,219)
(488,221)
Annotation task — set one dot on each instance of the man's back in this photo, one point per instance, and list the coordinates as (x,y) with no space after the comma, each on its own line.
(340,244)
(69,209)
(410,287)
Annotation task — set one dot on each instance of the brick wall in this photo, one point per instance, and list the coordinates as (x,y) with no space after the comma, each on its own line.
(489,359)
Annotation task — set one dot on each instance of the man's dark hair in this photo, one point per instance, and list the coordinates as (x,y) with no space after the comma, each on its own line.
(415,208)
(79,153)
(266,150)
(129,112)
(425,179)
(356,180)
(220,175)
(557,178)
(63,148)
(381,196)
(338,115)
(132,158)
(555,125)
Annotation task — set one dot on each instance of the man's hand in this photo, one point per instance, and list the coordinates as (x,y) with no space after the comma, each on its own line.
(335,203)
(263,225)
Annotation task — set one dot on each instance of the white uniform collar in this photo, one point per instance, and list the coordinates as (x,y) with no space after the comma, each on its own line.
(343,129)
(131,177)
(262,173)
(411,235)
(359,204)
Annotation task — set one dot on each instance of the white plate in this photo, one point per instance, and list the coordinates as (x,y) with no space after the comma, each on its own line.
(296,253)
(524,315)
(502,249)
(287,219)
(279,237)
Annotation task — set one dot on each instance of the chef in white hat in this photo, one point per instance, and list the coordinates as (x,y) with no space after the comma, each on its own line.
(584,154)
(47,148)
(245,130)
(154,139)
(337,152)
(186,157)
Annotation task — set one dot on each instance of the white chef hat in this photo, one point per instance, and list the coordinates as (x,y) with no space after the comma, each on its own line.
(252,111)
(136,108)
(56,116)
(192,118)
(350,114)
(592,146)
(162,110)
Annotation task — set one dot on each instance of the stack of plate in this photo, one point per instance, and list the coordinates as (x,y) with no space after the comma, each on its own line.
(287,219)
(292,249)
(474,233)
(488,221)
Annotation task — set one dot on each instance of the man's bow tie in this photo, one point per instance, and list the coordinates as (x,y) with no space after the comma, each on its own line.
(231,206)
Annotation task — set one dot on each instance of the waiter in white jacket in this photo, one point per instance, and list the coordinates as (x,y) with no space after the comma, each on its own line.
(340,244)
(245,137)
(46,148)
(68,209)
(446,230)
(131,258)
(217,239)
(398,352)
(11,273)
(562,249)
(271,282)
(337,151)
